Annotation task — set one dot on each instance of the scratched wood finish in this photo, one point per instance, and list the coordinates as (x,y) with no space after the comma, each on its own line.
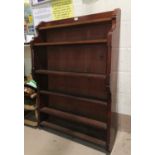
(71,62)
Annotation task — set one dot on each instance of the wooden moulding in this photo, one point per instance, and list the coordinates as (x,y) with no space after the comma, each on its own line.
(100,17)
(76,23)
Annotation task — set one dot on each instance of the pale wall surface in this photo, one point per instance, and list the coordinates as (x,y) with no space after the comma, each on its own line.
(27,60)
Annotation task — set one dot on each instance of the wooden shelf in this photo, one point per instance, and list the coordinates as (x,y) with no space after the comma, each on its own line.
(74,133)
(30,107)
(74,118)
(69,73)
(71,42)
(73,97)
(29,103)
(30,119)
(30,123)
(74,23)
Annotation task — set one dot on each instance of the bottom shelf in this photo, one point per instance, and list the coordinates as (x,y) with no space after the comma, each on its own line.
(74,133)
(30,107)
(30,118)
(30,123)
(29,104)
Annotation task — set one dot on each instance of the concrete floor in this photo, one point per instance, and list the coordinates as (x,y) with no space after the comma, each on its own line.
(41,142)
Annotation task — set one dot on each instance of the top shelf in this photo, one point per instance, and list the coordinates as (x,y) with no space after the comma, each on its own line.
(71,42)
(76,22)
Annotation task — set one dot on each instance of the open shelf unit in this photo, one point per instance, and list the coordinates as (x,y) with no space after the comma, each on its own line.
(30,118)
(71,62)
(30,111)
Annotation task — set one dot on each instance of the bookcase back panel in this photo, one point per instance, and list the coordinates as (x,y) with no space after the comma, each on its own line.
(90,58)
(84,86)
(44,100)
(80,32)
(40,58)
(78,106)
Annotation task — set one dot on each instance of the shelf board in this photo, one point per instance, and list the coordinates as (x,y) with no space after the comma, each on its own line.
(29,104)
(70,73)
(26,45)
(30,107)
(71,42)
(73,97)
(73,133)
(74,23)
(30,119)
(74,118)
(30,123)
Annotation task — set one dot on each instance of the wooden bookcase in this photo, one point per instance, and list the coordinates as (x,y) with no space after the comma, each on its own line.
(71,62)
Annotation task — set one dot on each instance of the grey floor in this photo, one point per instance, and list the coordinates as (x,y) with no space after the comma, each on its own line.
(41,142)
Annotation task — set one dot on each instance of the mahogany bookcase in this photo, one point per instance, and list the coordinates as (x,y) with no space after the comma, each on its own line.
(71,62)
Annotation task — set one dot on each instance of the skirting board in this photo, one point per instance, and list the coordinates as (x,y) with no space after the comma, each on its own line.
(124,122)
